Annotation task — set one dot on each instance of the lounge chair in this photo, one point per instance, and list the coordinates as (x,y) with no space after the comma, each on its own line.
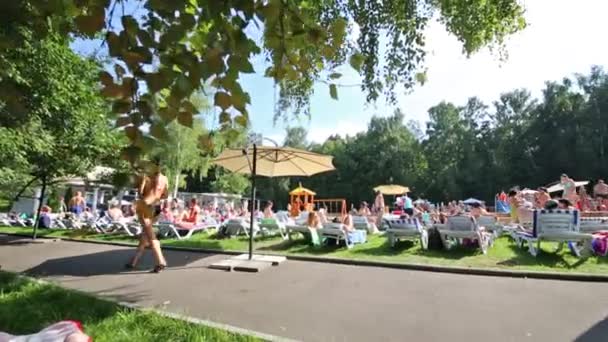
(236,226)
(361,222)
(169,229)
(407,229)
(463,227)
(559,226)
(271,226)
(337,232)
(490,224)
(297,228)
(593,224)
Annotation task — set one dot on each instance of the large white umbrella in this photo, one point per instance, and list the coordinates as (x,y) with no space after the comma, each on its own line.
(272,162)
(559,187)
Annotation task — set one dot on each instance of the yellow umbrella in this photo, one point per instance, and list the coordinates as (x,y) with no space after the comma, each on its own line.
(392,189)
(272,162)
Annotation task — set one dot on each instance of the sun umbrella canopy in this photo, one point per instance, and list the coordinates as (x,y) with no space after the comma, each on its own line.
(471,201)
(392,189)
(275,161)
(559,187)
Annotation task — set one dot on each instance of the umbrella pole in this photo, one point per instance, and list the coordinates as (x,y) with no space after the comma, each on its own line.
(253,172)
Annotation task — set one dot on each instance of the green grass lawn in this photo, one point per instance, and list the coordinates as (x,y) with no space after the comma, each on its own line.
(27,306)
(503,255)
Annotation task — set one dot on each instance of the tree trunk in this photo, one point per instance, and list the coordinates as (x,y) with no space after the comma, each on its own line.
(40,204)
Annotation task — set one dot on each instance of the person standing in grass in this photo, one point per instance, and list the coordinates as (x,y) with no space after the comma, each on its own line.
(152,189)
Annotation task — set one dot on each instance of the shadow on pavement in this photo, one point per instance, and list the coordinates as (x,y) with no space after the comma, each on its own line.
(597,333)
(108,262)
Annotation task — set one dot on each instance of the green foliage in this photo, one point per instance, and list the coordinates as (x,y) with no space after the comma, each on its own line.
(63,129)
(473,150)
(102,320)
(230,183)
(174,47)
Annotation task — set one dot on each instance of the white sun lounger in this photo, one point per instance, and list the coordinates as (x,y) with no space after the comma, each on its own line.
(361,222)
(168,229)
(337,232)
(237,226)
(593,224)
(271,226)
(463,227)
(490,224)
(407,229)
(556,225)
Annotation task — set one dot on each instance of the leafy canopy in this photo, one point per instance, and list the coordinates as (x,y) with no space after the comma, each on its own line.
(177,46)
(63,129)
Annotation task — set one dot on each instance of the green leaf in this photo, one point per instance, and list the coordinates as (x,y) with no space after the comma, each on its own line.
(356,61)
(167,114)
(130,24)
(114,45)
(121,106)
(242,120)
(222,100)
(91,24)
(154,82)
(159,131)
(112,91)
(105,78)
(132,132)
(333,91)
(214,61)
(144,108)
(225,118)
(421,77)
(119,70)
(123,121)
(185,118)
(144,38)
(131,153)
(205,142)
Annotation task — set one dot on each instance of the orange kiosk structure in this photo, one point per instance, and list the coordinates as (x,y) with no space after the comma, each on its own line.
(302,199)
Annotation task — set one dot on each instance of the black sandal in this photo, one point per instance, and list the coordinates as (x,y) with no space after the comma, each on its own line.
(129,266)
(158,268)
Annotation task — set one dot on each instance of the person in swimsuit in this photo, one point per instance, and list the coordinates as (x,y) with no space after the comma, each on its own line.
(152,189)
(77,203)
(569,188)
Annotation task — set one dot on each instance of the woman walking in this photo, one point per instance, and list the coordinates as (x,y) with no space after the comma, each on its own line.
(152,189)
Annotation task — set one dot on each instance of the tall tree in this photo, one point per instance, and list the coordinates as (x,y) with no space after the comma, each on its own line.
(63,128)
(176,46)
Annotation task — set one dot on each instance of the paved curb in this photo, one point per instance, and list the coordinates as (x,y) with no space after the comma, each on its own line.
(131,306)
(367,263)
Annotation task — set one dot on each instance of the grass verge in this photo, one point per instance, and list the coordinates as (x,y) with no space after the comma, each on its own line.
(28,306)
(503,255)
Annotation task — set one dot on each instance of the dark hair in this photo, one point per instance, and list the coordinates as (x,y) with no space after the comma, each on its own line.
(551,204)
(512,193)
(564,175)
(476,205)
(543,189)
(564,201)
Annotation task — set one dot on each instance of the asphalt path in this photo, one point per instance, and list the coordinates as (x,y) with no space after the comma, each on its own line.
(311,301)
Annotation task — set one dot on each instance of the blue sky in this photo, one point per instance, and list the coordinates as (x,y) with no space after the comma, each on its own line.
(563,37)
